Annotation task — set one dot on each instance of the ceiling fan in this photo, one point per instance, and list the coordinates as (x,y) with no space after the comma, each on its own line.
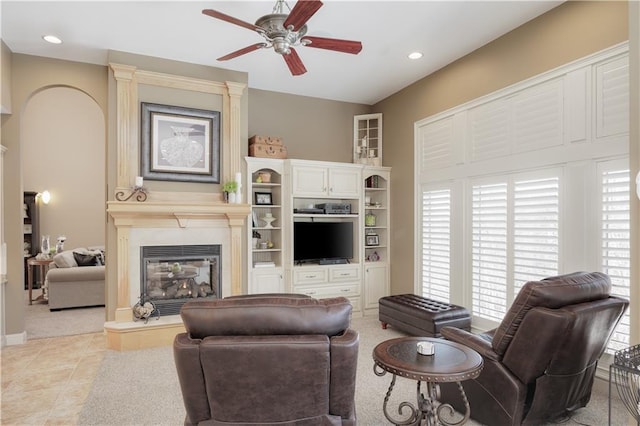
(283,31)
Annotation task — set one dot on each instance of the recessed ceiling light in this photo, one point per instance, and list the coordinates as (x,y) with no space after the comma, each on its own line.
(415,55)
(52,39)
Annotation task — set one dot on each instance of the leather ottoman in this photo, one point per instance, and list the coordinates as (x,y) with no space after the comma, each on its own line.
(420,316)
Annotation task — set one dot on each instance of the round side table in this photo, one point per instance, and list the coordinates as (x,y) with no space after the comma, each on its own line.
(43,264)
(451,362)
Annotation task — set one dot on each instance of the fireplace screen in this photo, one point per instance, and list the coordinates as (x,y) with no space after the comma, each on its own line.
(171,275)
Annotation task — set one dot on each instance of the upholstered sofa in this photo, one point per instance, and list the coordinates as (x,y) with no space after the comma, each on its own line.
(271,359)
(71,284)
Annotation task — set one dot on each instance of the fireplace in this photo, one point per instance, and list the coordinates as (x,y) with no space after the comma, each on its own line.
(172,275)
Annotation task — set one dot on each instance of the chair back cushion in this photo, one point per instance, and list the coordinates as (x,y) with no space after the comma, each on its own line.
(256,316)
(553,293)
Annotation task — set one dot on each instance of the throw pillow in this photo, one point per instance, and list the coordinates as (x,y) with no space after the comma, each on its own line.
(65,259)
(86,259)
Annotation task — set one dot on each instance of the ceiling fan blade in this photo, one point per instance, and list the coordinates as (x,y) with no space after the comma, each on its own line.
(230,19)
(294,63)
(301,12)
(242,51)
(345,46)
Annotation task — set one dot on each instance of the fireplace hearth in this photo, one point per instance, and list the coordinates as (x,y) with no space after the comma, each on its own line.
(172,275)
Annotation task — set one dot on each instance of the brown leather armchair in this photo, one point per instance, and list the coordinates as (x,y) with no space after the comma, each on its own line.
(540,362)
(266,360)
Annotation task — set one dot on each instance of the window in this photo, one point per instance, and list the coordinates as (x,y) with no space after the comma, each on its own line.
(524,183)
(436,244)
(489,253)
(615,241)
(515,239)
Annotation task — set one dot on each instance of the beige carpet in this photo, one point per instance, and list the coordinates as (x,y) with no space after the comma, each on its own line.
(41,323)
(141,388)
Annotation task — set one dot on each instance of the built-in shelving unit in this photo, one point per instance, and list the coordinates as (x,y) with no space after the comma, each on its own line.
(315,184)
(265,237)
(375,236)
(294,192)
(367,139)
(31,233)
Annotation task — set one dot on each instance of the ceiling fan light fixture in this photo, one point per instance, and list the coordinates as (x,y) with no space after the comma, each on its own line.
(51,39)
(284,32)
(415,55)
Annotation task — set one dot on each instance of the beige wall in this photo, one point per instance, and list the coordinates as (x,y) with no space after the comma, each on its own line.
(311,128)
(30,75)
(5,79)
(562,35)
(63,138)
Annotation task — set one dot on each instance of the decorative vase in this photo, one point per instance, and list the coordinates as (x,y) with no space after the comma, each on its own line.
(268,219)
(44,245)
(370,219)
(232,197)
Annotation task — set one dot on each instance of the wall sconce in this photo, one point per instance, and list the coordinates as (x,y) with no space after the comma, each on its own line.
(45,196)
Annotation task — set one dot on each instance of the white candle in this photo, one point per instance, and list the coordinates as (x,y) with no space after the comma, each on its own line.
(239,178)
(138,181)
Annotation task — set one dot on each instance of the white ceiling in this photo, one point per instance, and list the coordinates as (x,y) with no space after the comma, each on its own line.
(389,30)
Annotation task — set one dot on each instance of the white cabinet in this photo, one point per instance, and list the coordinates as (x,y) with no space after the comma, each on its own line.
(313,179)
(376,285)
(269,280)
(295,188)
(324,281)
(367,139)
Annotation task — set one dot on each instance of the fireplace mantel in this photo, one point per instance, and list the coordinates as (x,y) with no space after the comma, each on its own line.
(149,214)
(128,216)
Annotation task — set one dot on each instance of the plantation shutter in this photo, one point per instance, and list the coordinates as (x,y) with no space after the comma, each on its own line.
(436,244)
(616,249)
(535,230)
(489,254)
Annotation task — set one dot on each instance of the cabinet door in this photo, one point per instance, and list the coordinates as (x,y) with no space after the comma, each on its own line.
(375,284)
(344,182)
(309,181)
(267,282)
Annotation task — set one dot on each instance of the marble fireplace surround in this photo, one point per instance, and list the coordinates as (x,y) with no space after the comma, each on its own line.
(169,218)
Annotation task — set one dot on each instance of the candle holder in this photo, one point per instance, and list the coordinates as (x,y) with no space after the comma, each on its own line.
(139,191)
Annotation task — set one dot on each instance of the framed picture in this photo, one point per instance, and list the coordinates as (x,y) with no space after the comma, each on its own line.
(372,240)
(179,144)
(263,198)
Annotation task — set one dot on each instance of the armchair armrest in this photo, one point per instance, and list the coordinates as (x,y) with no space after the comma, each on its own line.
(344,363)
(480,343)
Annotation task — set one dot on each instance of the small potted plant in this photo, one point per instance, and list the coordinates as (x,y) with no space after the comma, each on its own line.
(229,191)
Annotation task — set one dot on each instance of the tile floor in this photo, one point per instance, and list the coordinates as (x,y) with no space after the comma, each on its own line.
(46,381)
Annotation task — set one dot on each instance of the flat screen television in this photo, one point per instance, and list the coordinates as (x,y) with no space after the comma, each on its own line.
(322,242)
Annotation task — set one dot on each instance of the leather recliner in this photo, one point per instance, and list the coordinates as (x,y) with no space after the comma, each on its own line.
(540,363)
(272,359)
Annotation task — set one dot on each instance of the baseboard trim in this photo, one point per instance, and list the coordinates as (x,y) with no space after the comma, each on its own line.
(15,339)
